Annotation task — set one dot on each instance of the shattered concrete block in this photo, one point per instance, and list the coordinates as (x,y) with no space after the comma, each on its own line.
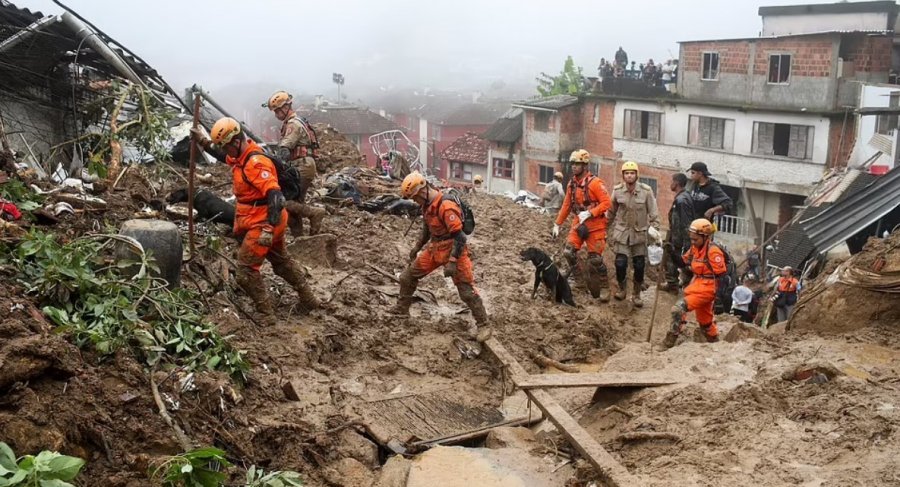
(315,251)
(162,239)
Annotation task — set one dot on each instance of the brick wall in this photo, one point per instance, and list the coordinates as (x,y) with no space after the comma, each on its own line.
(533,174)
(810,56)
(734,56)
(834,140)
(868,54)
(598,137)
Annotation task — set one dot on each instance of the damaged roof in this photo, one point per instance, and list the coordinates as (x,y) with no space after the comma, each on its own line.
(507,129)
(853,213)
(554,102)
(469,148)
(352,121)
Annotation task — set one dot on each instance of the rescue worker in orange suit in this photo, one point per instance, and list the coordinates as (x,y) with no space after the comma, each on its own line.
(707,263)
(442,244)
(587,198)
(260,218)
(786,288)
(297,147)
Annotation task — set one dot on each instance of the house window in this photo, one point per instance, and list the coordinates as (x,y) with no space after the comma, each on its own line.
(354,139)
(710,66)
(460,171)
(596,113)
(643,125)
(546,173)
(779,68)
(886,124)
(781,139)
(503,168)
(649,182)
(542,121)
(715,133)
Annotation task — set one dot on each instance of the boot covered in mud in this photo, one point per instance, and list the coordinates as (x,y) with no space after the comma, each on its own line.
(295,217)
(621,292)
(316,215)
(677,324)
(636,295)
(253,285)
(405,300)
(711,332)
(294,276)
(572,261)
(481,330)
(598,280)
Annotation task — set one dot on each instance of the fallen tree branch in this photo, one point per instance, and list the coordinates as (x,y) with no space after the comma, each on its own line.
(182,438)
(383,273)
(648,436)
(548,362)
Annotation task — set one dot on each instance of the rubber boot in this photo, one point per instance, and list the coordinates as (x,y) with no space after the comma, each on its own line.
(603,281)
(295,217)
(621,292)
(711,332)
(676,326)
(294,276)
(253,285)
(315,220)
(404,301)
(636,295)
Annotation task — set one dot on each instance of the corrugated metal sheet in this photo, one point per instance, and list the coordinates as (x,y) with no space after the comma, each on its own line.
(854,213)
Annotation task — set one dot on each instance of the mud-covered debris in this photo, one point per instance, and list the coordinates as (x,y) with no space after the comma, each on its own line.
(817,372)
(743,331)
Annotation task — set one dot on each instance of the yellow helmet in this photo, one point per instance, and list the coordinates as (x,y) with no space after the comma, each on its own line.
(412,184)
(279,99)
(558,175)
(580,156)
(630,166)
(702,226)
(224,130)
(478,179)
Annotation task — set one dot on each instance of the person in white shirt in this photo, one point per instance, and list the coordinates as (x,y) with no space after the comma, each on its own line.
(740,302)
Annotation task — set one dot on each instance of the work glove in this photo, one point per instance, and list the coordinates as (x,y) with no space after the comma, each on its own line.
(584,215)
(199,138)
(450,269)
(265,238)
(654,234)
(555,231)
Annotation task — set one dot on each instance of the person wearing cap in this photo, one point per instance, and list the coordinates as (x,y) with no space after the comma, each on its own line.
(707,194)
(635,220)
(553,194)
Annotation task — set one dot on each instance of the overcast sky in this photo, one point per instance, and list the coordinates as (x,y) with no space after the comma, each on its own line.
(456,44)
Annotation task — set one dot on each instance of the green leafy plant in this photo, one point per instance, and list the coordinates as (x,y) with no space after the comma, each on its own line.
(46,469)
(25,199)
(569,81)
(196,468)
(88,295)
(258,478)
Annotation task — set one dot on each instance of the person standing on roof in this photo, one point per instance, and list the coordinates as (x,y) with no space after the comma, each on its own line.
(260,218)
(444,244)
(298,147)
(553,194)
(621,58)
(708,196)
(787,288)
(707,263)
(587,198)
(681,214)
(635,219)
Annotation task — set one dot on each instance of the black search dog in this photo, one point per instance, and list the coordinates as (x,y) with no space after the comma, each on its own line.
(208,205)
(546,271)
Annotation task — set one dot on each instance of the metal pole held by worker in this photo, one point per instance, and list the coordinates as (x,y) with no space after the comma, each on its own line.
(191,171)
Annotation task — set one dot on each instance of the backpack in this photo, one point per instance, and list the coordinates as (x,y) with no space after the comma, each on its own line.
(468,217)
(288,175)
(725,283)
(313,136)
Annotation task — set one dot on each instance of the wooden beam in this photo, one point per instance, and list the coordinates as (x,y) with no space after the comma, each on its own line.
(597,379)
(611,470)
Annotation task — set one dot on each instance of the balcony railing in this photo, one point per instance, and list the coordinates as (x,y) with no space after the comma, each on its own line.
(734,225)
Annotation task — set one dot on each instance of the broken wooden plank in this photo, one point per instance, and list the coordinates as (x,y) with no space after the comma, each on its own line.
(611,470)
(598,379)
(478,432)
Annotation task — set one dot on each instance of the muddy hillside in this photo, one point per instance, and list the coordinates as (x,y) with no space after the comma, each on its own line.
(350,395)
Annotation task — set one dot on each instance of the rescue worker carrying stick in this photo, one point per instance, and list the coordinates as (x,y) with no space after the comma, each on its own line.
(446,246)
(260,218)
(587,198)
(297,147)
(635,217)
(707,263)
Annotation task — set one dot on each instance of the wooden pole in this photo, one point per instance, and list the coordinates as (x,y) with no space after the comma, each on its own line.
(191,171)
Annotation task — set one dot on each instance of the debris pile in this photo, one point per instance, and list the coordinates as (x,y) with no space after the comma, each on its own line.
(335,151)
